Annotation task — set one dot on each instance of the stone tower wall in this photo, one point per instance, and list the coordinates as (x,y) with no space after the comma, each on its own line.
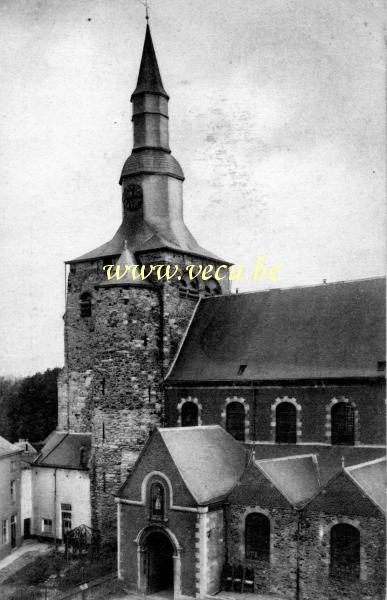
(116,361)
(74,382)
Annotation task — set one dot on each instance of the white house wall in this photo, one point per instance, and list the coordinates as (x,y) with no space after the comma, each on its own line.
(72,487)
(9,471)
(25,497)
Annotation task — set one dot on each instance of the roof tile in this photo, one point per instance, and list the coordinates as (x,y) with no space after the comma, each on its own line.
(331,330)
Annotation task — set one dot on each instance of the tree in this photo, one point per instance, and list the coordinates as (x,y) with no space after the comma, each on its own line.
(29,407)
(8,393)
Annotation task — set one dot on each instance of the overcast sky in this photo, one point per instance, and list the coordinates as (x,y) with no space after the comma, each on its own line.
(276,115)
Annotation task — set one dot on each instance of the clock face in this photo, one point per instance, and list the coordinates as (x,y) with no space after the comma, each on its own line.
(132,197)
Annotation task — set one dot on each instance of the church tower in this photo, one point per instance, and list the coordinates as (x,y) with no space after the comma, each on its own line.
(122,335)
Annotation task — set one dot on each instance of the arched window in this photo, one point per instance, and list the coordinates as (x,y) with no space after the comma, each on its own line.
(188,288)
(212,288)
(257,537)
(189,414)
(157,496)
(235,420)
(286,423)
(85,304)
(343,424)
(345,551)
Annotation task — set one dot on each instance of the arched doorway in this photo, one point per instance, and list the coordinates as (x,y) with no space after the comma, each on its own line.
(158,563)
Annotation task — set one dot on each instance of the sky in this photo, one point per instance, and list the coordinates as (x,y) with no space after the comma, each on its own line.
(276,116)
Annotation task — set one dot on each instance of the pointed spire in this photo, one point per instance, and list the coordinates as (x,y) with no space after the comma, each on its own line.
(149,78)
(126,258)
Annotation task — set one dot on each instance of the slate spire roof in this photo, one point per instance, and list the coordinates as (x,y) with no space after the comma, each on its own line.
(149,78)
(127,258)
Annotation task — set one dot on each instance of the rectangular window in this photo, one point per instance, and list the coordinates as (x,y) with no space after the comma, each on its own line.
(13,491)
(46,525)
(66,518)
(4,531)
(13,466)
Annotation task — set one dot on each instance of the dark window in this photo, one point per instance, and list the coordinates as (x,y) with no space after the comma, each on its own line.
(242,369)
(13,491)
(189,414)
(46,525)
(212,288)
(235,420)
(286,423)
(82,457)
(85,304)
(345,551)
(157,495)
(66,519)
(343,424)
(257,537)
(188,288)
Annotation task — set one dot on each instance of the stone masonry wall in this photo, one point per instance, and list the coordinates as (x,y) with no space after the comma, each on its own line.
(279,575)
(316,582)
(79,337)
(314,402)
(215,550)
(178,311)
(126,395)
(115,363)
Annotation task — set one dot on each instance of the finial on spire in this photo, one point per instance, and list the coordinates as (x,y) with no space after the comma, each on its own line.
(149,79)
(146,8)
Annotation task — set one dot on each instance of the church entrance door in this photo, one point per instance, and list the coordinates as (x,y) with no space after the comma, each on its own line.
(159,556)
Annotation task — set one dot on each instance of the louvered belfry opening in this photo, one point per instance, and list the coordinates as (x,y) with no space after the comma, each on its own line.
(188,288)
(85,304)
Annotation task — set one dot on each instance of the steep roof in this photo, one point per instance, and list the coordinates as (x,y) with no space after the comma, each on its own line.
(63,450)
(371,478)
(329,458)
(165,237)
(296,477)
(152,160)
(149,78)
(125,275)
(209,460)
(7,448)
(324,331)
